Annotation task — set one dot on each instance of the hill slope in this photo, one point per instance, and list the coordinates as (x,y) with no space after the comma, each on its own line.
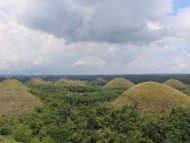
(69,83)
(152,97)
(15,98)
(39,81)
(174,83)
(119,83)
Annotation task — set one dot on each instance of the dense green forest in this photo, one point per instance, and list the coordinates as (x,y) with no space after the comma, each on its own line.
(86,114)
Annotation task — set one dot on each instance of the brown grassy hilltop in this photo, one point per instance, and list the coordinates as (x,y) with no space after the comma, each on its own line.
(175,83)
(152,97)
(119,83)
(69,83)
(39,81)
(15,98)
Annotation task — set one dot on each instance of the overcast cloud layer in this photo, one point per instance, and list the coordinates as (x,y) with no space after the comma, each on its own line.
(94,37)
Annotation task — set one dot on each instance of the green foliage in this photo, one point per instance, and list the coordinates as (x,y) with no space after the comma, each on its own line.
(22,133)
(73,115)
(185,90)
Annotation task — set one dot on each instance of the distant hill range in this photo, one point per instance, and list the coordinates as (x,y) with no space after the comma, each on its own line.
(135,78)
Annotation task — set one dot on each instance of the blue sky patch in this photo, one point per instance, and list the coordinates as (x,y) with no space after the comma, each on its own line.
(179,4)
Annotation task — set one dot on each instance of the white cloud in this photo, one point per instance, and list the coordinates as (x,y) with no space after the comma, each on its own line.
(22,47)
(153,26)
(111,21)
(89,62)
(84,37)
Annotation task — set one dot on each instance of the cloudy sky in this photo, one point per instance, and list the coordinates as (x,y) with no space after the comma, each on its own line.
(94,36)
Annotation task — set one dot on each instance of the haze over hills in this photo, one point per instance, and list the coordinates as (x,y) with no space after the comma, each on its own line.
(135,78)
(100,81)
(15,98)
(152,97)
(119,83)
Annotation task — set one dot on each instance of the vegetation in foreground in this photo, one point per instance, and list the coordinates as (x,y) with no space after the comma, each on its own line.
(84,114)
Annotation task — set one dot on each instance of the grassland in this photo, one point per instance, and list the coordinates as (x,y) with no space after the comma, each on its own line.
(87,113)
(15,98)
(175,83)
(39,81)
(152,97)
(119,83)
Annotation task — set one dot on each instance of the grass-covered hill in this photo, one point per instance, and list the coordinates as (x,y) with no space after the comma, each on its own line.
(119,83)
(88,116)
(15,98)
(39,81)
(175,83)
(69,83)
(152,97)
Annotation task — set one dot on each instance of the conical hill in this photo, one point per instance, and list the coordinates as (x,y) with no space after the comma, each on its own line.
(15,98)
(69,83)
(175,83)
(119,83)
(152,97)
(39,81)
